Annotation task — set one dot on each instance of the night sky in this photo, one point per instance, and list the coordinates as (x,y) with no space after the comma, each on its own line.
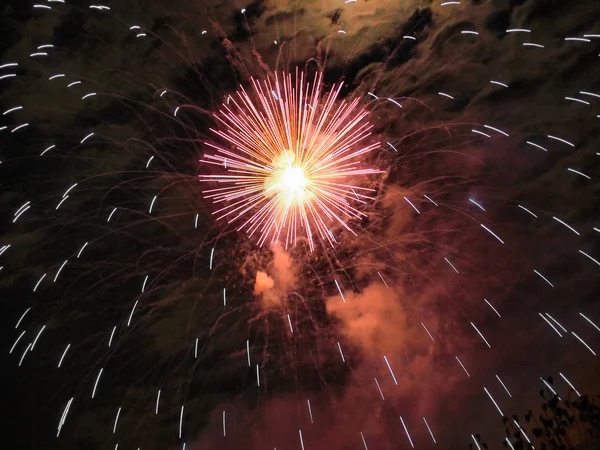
(475,269)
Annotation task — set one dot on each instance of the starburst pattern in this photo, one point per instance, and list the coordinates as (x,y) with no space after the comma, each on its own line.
(293,156)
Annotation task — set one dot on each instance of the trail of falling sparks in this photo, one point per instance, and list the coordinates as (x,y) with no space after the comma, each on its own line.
(289,151)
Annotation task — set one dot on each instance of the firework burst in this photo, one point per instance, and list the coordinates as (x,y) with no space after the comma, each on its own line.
(292,160)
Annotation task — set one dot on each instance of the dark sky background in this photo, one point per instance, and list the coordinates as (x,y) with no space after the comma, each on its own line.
(404,270)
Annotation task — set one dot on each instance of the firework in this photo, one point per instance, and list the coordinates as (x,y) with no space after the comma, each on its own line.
(142,316)
(293,159)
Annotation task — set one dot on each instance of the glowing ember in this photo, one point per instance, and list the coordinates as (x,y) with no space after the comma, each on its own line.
(291,152)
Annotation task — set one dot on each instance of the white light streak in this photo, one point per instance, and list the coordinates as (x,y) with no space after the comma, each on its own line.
(16,342)
(518,30)
(480,132)
(577,39)
(59,75)
(531,44)
(463,367)
(116,420)
(131,313)
(111,214)
(47,150)
(112,335)
(382,279)
(61,268)
(8,75)
(91,94)
(430,200)
(73,83)
(492,233)
(579,173)
(526,210)
(8,111)
(499,83)
(573,99)
(181,420)
(504,386)
(86,138)
(157,401)
(509,443)
(393,148)
(29,309)
(96,383)
(491,306)
(310,412)
(411,204)
(536,145)
(581,314)
(476,443)
(212,253)
(543,278)
(391,371)
(144,283)
(584,343)
(341,353)
(340,291)
(566,225)
(61,202)
(81,250)
(224,298)
(257,376)
(38,283)
(152,204)
(4,66)
(591,94)
(248,350)
(69,190)
(407,433)
(37,337)
(24,353)
(549,323)
(379,388)
(176,111)
(429,429)
(561,140)
(477,204)
(557,323)
(361,434)
(451,265)
(290,322)
(446,95)
(64,416)
(569,383)
(301,440)
(373,95)
(19,127)
(196,349)
(430,336)
(494,401)
(34,55)
(549,387)
(480,334)
(63,355)
(224,429)
(394,102)
(495,129)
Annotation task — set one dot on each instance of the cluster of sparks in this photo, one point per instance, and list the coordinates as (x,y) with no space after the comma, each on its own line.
(291,158)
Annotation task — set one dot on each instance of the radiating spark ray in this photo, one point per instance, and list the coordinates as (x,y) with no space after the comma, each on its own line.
(537,145)
(181,420)
(340,291)
(131,313)
(579,173)
(224,429)
(496,129)
(59,270)
(525,209)
(476,443)
(112,335)
(301,439)
(257,376)
(549,387)
(24,353)
(196,349)
(111,214)
(212,253)
(152,204)
(310,412)
(431,200)
(64,416)
(157,402)
(361,434)
(81,250)
(38,283)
